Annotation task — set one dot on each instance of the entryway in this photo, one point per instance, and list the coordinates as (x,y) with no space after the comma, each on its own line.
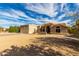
(48,29)
(58,29)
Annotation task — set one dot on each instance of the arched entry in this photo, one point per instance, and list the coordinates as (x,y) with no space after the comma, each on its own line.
(48,29)
(58,29)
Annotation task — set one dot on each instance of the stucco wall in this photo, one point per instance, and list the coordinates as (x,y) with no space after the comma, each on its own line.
(32,28)
(29,29)
(53,29)
(62,29)
(24,29)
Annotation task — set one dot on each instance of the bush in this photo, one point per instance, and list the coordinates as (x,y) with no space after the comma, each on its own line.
(72,30)
(14,29)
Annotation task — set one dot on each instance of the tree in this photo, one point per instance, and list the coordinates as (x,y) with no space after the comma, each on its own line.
(77,24)
(14,29)
(75,28)
(72,30)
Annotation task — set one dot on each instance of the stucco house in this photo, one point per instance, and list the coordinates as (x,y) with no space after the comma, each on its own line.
(53,28)
(1,29)
(45,28)
(29,29)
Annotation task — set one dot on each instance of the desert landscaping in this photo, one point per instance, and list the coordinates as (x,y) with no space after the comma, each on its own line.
(44,44)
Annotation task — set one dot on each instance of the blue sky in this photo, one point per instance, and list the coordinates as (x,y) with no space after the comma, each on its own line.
(12,14)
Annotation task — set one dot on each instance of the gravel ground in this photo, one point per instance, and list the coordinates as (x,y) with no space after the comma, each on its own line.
(59,43)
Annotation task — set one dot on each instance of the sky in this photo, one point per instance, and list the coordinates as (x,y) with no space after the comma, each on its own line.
(16,14)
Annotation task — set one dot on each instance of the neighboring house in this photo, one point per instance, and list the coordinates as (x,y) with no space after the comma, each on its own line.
(1,30)
(29,29)
(45,28)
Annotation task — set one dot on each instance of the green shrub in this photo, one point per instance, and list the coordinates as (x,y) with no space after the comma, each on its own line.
(72,30)
(13,29)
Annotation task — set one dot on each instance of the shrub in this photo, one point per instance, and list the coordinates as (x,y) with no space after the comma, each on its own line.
(13,29)
(72,30)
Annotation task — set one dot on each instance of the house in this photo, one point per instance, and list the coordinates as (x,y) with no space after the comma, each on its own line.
(45,28)
(1,29)
(29,29)
(53,28)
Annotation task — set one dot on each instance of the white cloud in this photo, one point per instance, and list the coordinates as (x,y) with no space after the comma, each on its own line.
(60,17)
(2,21)
(45,20)
(18,13)
(8,14)
(62,6)
(15,14)
(66,21)
(48,9)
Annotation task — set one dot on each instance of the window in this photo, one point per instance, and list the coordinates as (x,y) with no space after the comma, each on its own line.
(58,29)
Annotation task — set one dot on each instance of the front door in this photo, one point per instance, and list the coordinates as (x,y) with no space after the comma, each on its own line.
(48,29)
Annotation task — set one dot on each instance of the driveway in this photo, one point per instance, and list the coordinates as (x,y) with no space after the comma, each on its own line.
(59,43)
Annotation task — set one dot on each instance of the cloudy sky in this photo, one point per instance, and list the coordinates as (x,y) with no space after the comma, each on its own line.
(12,14)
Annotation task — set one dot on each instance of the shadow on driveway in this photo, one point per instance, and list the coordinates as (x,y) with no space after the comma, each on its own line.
(42,50)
